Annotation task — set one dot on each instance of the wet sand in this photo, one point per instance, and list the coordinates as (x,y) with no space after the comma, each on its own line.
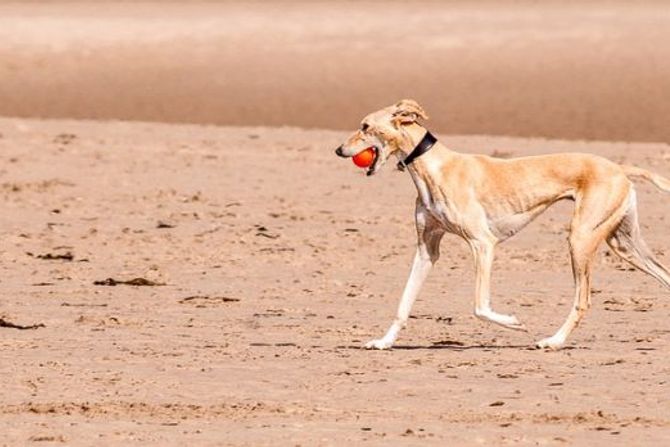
(572,70)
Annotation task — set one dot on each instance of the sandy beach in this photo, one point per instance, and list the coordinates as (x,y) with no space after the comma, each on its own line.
(275,270)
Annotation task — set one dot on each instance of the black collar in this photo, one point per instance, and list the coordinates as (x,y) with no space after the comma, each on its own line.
(424,146)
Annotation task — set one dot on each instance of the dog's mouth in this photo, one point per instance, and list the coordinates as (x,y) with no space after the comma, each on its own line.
(373,167)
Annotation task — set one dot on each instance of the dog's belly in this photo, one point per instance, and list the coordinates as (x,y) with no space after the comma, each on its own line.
(507,225)
(502,227)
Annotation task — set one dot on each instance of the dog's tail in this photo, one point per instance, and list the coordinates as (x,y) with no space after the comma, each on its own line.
(659,181)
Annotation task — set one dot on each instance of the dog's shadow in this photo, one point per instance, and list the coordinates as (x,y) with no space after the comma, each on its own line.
(463,347)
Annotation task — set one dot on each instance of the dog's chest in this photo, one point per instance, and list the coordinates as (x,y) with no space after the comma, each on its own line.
(438,206)
(425,194)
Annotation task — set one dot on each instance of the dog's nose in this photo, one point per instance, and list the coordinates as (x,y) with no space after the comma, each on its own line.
(338,152)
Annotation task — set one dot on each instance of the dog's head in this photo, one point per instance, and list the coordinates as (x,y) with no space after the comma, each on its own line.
(383,131)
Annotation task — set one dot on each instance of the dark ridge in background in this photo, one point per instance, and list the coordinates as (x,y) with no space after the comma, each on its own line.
(561,70)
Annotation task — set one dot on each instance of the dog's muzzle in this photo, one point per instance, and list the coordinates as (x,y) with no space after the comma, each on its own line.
(339,153)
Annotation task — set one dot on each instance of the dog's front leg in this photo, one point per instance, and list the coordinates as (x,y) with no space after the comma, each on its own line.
(482,251)
(427,253)
(420,269)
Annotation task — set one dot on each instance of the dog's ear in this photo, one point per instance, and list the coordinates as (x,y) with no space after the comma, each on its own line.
(408,111)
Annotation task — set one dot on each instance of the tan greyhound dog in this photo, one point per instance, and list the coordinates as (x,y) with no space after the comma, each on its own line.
(486,200)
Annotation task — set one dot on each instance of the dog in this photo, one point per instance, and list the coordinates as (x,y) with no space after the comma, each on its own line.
(486,200)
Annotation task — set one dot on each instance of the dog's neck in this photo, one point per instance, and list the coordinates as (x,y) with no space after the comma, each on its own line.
(422,168)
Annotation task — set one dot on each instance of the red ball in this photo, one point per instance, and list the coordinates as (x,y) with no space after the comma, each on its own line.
(364,158)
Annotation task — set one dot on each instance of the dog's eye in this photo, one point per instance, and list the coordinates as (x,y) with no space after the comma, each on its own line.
(364,127)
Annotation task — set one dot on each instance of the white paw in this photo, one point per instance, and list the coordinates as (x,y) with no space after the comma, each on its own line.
(508,321)
(513,323)
(378,344)
(552,343)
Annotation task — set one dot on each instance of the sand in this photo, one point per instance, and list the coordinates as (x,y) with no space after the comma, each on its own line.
(279,261)
(575,70)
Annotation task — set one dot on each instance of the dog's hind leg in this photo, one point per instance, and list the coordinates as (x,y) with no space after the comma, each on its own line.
(482,251)
(429,234)
(597,213)
(626,241)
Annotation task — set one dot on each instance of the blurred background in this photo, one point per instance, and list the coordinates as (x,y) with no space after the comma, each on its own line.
(559,69)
